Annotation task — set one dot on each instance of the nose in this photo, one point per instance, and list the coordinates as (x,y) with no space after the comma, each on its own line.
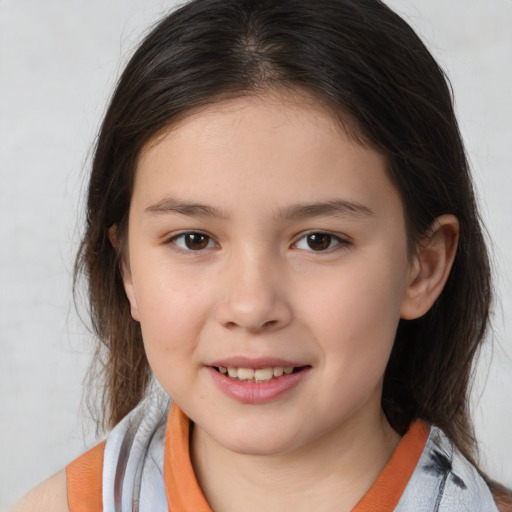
(253,296)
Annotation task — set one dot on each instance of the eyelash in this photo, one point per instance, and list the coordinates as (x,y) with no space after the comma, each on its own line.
(173,240)
(339,241)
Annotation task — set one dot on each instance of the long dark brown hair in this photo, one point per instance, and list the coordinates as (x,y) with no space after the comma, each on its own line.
(367,65)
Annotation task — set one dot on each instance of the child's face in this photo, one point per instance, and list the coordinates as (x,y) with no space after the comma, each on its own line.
(261,236)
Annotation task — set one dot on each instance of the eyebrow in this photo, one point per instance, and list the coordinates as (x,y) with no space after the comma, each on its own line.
(172,205)
(332,208)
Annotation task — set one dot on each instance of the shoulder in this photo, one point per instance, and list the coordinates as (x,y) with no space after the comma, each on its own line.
(443,476)
(502,496)
(49,496)
(84,480)
(76,488)
(79,488)
(504,504)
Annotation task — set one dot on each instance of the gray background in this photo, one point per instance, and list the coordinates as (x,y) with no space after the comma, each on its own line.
(58,63)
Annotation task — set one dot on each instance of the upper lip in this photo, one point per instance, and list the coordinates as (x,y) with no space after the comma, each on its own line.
(255,362)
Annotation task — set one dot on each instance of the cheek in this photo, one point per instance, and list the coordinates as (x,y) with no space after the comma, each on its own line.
(172,313)
(356,329)
(358,316)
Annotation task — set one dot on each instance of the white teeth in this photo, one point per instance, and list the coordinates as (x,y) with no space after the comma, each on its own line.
(278,371)
(245,373)
(255,375)
(263,374)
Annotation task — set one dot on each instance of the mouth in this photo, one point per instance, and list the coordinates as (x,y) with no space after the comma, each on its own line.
(257,380)
(257,375)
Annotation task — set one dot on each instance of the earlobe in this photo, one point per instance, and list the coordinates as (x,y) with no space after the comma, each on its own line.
(129,289)
(431,267)
(126,274)
(112,235)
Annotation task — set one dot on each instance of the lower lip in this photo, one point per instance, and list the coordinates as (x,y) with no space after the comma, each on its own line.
(257,392)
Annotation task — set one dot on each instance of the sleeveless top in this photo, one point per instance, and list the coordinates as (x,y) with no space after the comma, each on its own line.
(144,466)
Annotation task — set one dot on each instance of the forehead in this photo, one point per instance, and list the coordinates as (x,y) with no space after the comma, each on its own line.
(283,147)
(290,100)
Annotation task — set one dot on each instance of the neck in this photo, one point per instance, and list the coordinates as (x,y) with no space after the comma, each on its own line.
(334,471)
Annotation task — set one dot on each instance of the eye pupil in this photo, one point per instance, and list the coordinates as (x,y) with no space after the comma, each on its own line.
(318,241)
(196,241)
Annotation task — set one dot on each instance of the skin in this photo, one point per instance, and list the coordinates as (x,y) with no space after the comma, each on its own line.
(257,287)
(49,496)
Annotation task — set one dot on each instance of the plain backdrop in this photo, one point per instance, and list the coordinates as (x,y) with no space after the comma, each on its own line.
(59,61)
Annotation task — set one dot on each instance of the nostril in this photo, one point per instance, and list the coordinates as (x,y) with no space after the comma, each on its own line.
(270,324)
(266,326)
(253,313)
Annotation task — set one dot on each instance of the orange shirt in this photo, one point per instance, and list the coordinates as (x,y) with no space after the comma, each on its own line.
(85,473)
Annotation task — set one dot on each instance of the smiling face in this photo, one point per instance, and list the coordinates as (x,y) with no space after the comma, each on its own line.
(261,237)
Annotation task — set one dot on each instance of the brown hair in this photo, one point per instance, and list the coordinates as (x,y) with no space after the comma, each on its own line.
(368,65)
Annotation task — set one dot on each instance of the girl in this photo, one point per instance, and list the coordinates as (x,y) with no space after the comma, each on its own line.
(282,231)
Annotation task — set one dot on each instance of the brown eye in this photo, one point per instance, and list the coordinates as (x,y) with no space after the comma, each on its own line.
(319,241)
(193,241)
(196,241)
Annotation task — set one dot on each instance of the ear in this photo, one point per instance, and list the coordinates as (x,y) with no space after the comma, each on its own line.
(431,267)
(126,275)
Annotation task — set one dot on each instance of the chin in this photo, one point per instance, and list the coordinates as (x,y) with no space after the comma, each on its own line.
(258,442)
(262,449)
